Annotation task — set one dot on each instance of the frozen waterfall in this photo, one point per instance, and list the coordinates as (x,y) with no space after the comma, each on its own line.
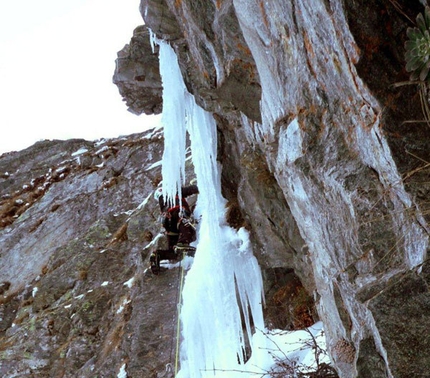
(224,284)
(221,313)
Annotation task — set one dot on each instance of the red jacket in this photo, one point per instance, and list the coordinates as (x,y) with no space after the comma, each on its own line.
(171,214)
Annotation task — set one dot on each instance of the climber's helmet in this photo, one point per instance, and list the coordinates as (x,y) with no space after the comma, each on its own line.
(158,193)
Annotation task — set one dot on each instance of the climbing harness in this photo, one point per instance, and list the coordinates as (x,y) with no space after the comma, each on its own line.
(187,220)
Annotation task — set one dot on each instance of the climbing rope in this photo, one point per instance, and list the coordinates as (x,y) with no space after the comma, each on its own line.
(170,365)
(181,282)
(173,331)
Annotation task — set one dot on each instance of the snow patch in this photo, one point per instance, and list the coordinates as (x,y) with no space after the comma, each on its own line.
(152,166)
(99,142)
(122,372)
(298,349)
(144,202)
(129,283)
(185,263)
(80,151)
(61,169)
(103,149)
(122,306)
(128,212)
(154,241)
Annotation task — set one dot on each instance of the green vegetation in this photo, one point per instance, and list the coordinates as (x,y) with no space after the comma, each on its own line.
(418,48)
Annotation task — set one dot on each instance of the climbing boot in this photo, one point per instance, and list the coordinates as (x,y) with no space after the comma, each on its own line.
(155,263)
(183,249)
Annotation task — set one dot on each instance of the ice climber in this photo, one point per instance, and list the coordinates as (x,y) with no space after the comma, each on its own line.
(178,224)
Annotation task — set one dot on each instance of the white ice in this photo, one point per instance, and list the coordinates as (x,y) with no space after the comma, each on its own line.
(223,291)
(122,372)
(80,151)
(225,279)
(173,120)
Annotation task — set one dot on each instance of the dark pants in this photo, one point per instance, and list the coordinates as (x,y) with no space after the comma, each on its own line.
(165,254)
(187,233)
(172,240)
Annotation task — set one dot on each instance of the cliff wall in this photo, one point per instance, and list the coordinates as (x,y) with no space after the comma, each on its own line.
(321,157)
(325,160)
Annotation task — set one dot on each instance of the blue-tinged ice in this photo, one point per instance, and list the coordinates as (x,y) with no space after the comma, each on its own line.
(173,121)
(223,291)
(221,313)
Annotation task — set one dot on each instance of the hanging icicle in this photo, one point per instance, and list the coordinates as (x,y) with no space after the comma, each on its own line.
(224,285)
(173,121)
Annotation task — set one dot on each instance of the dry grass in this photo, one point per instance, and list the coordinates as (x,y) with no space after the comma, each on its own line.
(120,235)
(234,215)
(290,307)
(344,351)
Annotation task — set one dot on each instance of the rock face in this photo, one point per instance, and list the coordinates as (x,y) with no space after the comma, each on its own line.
(137,76)
(323,156)
(321,162)
(76,300)
(78,224)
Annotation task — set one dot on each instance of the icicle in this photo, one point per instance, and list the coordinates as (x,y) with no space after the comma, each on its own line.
(173,120)
(152,36)
(225,280)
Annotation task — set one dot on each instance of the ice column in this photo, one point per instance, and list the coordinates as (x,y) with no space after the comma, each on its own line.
(222,294)
(173,120)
